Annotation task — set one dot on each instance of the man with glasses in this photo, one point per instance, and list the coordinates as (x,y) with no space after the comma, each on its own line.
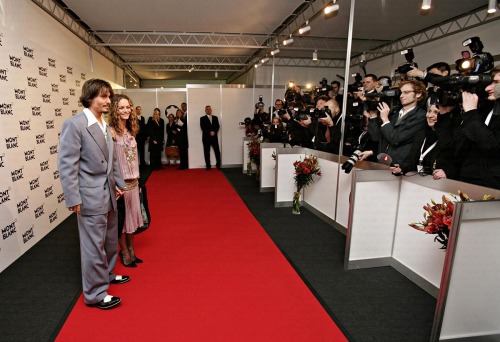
(397,127)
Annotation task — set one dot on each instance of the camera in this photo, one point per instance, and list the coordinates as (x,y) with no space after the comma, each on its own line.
(261,102)
(324,87)
(349,164)
(409,56)
(319,113)
(246,122)
(357,85)
(480,62)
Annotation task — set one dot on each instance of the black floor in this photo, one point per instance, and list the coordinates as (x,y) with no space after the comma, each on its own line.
(39,290)
(377,304)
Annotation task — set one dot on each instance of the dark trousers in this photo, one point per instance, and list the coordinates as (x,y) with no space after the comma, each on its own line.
(183,157)
(155,159)
(140,150)
(207,143)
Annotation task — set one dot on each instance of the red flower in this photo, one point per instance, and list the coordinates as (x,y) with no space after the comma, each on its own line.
(305,170)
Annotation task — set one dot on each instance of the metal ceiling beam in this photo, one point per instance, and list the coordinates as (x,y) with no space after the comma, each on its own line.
(447,28)
(180,39)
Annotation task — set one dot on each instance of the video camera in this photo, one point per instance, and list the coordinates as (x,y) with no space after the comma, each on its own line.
(409,56)
(473,76)
(480,62)
(246,122)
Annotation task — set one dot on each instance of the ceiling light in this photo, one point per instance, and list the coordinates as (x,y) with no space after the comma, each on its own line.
(288,41)
(492,6)
(305,29)
(275,52)
(332,8)
(191,69)
(216,74)
(258,65)
(426,4)
(315,55)
(264,60)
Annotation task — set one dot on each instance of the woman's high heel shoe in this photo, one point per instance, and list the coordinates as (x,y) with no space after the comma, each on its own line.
(131,264)
(137,260)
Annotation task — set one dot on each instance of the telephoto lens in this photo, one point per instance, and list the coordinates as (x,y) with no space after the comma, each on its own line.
(349,164)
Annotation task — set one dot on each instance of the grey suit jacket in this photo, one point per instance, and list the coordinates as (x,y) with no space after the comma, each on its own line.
(88,167)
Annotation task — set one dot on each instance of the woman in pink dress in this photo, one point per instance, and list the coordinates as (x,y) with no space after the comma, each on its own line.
(124,128)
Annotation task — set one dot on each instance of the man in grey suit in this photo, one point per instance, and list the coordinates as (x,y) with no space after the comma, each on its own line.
(91,181)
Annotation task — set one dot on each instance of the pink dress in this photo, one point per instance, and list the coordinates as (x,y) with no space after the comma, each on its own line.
(126,153)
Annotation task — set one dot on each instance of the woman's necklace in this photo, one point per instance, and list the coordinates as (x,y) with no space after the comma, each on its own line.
(129,149)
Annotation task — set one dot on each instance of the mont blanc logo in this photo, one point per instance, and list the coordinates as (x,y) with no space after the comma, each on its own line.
(11,142)
(32,82)
(39,211)
(4,196)
(56,174)
(69,70)
(60,198)
(40,138)
(74,112)
(52,62)
(29,155)
(2,162)
(62,78)
(29,52)
(17,175)
(1,38)
(80,103)
(9,230)
(6,109)
(25,125)
(35,183)
(20,94)
(52,216)
(82,76)
(58,111)
(15,62)
(77,83)
(65,101)
(3,75)
(42,71)
(55,88)
(49,191)
(53,149)
(44,166)
(23,205)
(36,110)
(72,92)
(28,235)
(49,124)
(46,98)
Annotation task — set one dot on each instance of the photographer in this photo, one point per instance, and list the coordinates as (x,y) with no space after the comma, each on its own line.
(277,131)
(320,135)
(481,132)
(333,123)
(278,108)
(398,125)
(298,131)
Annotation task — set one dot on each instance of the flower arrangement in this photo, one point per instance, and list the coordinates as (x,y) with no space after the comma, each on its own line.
(438,217)
(305,170)
(254,151)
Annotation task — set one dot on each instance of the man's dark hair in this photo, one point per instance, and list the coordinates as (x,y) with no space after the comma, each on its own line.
(374,77)
(495,71)
(335,82)
(441,66)
(93,88)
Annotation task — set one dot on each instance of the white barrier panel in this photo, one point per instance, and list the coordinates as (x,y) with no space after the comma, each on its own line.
(268,165)
(469,300)
(285,182)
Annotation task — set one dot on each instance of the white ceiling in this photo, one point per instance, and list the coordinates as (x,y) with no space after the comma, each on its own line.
(193,24)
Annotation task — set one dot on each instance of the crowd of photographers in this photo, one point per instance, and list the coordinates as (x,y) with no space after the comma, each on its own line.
(432,123)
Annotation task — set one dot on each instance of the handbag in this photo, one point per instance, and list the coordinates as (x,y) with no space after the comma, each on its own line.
(146,216)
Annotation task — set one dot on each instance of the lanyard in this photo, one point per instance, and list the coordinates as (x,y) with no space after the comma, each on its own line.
(423,154)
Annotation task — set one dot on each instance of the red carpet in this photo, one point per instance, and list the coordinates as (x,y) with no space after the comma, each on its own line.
(210,273)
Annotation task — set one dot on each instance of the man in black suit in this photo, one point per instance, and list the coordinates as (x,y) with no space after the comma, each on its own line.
(480,126)
(397,126)
(210,126)
(141,135)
